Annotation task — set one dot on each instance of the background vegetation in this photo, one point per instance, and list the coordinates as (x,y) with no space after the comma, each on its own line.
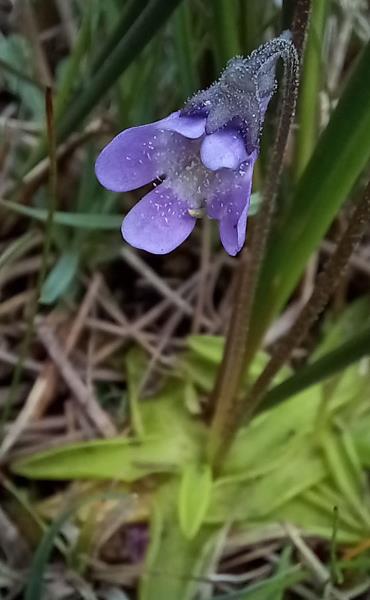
(108,356)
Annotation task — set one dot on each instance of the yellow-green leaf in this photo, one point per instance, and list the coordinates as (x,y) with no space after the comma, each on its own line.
(194,497)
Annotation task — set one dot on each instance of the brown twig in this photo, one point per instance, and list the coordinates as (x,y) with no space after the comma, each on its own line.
(134,260)
(45,386)
(72,379)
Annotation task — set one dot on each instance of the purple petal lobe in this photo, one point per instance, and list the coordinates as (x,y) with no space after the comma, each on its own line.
(158,223)
(232,234)
(229,204)
(133,158)
(189,127)
(223,149)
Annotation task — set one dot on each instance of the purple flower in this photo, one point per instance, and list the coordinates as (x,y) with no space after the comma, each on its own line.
(201,173)
(200,159)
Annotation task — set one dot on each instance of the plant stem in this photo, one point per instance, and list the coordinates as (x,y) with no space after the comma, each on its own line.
(228,404)
(327,282)
(301,21)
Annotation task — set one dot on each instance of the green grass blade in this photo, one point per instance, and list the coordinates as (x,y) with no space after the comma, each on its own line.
(341,155)
(72,69)
(18,248)
(151,19)
(309,90)
(343,473)
(225,30)
(5,66)
(34,590)
(79,220)
(60,277)
(130,12)
(96,222)
(264,589)
(35,579)
(255,15)
(324,367)
(184,46)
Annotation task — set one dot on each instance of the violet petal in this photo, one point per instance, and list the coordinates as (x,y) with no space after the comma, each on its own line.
(189,127)
(223,149)
(229,204)
(133,158)
(159,222)
(232,233)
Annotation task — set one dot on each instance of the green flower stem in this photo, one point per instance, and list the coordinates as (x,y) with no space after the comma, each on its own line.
(229,406)
(327,282)
(225,397)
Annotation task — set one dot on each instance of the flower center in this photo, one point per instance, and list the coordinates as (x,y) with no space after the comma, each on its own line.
(190,179)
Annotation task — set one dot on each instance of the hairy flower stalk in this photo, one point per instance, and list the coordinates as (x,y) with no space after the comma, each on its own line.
(226,400)
(228,406)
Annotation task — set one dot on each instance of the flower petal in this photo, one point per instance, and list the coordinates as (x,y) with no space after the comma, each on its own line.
(232,234)
(132,159)
(229,204)
(189,127)
(223,149)
(159,222)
